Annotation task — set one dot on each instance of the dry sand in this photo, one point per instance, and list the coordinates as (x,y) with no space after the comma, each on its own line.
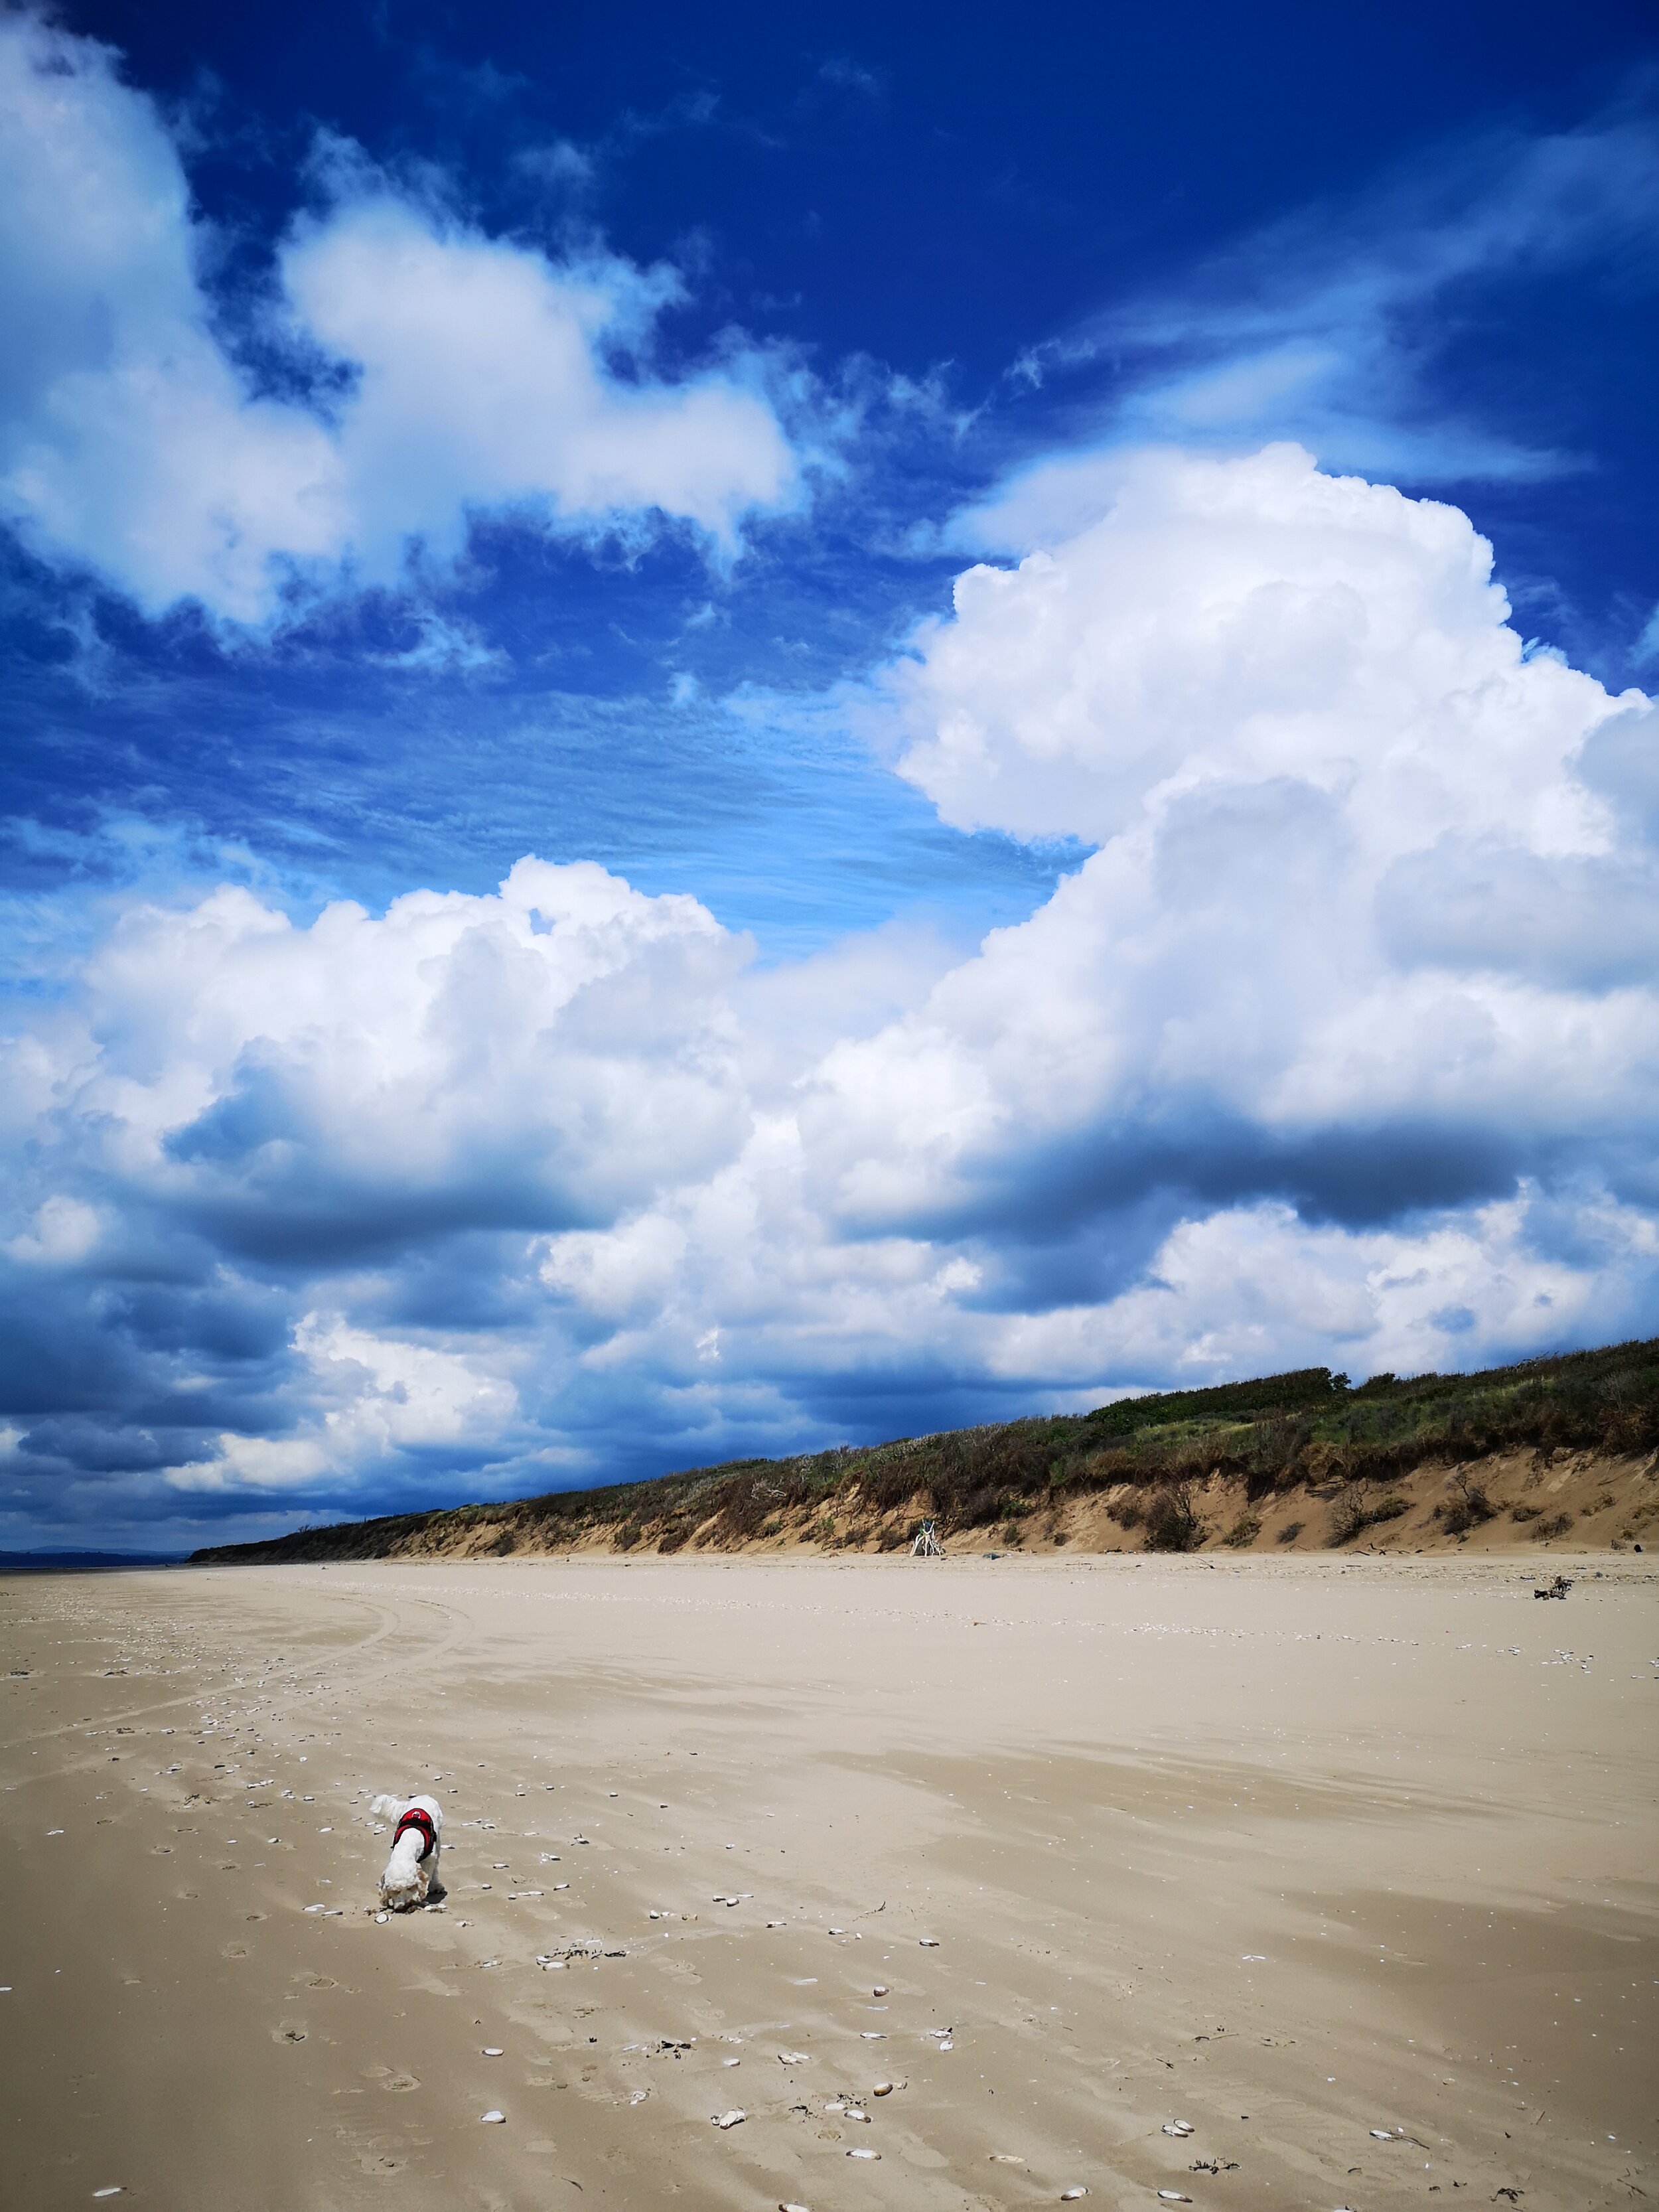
(1292,1851)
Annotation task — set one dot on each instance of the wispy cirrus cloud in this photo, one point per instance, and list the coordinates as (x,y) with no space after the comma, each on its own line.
(1333,325)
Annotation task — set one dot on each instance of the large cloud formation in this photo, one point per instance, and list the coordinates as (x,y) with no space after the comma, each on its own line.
(1341,1044)
(1375,900)
(446,374)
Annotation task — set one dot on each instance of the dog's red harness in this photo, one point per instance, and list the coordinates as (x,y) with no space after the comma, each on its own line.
(416,1819)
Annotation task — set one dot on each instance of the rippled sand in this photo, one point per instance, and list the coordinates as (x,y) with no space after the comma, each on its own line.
(1294,1853)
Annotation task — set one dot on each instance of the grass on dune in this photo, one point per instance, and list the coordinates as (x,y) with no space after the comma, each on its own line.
(1276,1433)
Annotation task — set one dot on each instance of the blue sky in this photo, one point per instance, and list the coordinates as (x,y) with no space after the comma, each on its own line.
(725,733)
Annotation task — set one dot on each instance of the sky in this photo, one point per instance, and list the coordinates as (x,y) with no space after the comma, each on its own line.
(727,730)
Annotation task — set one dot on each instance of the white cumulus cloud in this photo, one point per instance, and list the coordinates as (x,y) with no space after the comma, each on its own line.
(459,374)
(1288,711)
(1230,623)
(388,1397)
(558,1049)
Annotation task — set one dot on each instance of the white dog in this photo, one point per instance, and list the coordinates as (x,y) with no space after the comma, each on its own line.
(412,1872)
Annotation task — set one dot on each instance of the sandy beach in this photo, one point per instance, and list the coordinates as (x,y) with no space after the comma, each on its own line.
(1346,1866)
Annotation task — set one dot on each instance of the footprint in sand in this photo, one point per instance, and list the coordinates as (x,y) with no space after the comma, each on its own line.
(321,1981)
(287,2034)
(233,1951)
(399,2084)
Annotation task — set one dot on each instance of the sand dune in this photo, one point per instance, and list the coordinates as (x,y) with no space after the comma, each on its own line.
(1347,1866)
